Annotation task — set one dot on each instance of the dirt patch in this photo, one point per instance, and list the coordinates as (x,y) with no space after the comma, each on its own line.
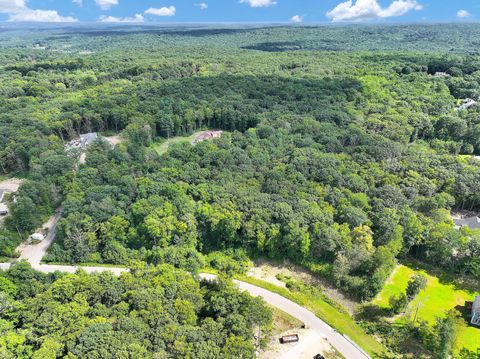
(461,214)
(11,184)
(310,344)
(114,140)
(267,271)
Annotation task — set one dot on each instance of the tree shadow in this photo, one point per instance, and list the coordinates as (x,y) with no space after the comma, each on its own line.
(372,313)
(186,31)
(278,46)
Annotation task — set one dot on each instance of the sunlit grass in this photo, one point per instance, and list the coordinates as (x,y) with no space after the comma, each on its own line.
(440,296)
(397,284)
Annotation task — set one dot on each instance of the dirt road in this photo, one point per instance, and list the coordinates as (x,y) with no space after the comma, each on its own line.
(34,253)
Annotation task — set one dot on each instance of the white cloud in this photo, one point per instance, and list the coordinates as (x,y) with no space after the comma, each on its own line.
(296,19)
(202,6)
(106,4)
(164,11)
(259,3)
(463,14)
(134,19)
(40,16)
(18,10)
(361,10)
(78,2)
(12,6)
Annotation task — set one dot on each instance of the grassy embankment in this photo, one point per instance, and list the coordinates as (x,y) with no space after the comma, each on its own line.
(342,322)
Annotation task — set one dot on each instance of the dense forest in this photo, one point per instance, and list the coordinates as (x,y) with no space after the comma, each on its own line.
(159,312)
(340,153)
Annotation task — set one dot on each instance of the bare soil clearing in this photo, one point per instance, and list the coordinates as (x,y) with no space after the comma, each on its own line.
(310,344)
(11,184)
(34,253)
(268,271)
(114,140)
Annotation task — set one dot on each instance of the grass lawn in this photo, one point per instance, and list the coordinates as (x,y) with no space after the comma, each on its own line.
(397,284)
(162,148)
(440,296)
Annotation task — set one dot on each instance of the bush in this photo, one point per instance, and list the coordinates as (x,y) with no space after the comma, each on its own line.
(417,283)
(398,303)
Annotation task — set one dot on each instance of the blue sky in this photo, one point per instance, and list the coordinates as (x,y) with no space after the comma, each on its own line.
(296,11)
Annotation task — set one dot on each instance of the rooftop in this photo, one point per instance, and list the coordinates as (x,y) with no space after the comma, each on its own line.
(476,304)
(472,222)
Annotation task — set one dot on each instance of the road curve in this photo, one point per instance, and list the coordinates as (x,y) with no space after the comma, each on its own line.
(344,345)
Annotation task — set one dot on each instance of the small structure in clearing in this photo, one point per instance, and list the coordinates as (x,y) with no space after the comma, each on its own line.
(207,135)
(6,187)
(292,338)
(441,74)
(37,237)
(83,142)
(466,104)
(472,222)
(3,206)
(476,311)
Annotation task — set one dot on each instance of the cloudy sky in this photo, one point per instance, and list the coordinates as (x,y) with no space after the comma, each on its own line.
(295,11)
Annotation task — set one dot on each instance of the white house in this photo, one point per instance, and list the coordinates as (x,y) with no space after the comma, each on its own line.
(466,104)
(3,206)
(476,311)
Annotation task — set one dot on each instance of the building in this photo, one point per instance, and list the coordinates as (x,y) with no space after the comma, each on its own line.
(441,74)
(207,135)
(83,142)
(476,311)
(87,138)
(3,206)
(472,222)
(3,209)
(467,103)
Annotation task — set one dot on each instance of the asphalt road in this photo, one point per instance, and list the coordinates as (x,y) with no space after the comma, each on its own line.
(344,345)
(34,254)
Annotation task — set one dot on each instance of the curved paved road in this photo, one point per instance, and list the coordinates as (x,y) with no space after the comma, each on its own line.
(34,253)
(344,345)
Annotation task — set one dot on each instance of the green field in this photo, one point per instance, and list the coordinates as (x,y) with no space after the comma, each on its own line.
(396,284)
(162,147)
(435,301)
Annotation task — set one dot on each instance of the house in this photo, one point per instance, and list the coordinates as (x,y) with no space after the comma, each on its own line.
(472,222)
(476,311)
(207,135)
(467,103)
(3,206)
(83,142)
(88,138)
(441,74)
